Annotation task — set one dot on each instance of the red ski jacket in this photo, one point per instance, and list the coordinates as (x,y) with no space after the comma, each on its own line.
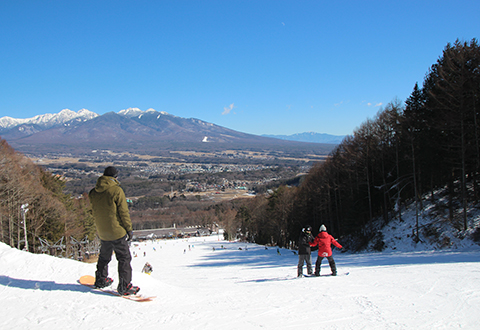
(324,241)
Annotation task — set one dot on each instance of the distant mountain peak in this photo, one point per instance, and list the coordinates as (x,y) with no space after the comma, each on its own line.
(130,112)
(136,112)
(310,137)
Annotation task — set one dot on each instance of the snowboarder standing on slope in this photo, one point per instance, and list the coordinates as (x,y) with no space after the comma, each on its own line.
(114,227)
(305,251)
(324,241)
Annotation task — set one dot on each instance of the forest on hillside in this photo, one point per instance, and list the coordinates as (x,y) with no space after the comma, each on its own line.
(33,204)
(408,151)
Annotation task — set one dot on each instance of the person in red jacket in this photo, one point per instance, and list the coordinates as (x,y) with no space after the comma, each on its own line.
(324,241)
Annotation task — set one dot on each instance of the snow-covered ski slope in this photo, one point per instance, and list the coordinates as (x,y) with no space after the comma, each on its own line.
(208,283)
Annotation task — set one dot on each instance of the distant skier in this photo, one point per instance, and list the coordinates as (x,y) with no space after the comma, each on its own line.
(324,241)
(147,268)
(304,251)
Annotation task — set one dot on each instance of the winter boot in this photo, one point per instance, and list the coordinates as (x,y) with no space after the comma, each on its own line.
(101,283)
(127,289)
(333,267)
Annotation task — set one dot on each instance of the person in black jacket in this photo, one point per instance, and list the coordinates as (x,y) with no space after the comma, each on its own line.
(304,251)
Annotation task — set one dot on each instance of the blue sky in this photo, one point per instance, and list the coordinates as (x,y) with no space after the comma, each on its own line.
(261,67)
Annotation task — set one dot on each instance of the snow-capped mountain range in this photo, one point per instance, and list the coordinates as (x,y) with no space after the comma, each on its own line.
(65,117)
(131,130)
(49,120)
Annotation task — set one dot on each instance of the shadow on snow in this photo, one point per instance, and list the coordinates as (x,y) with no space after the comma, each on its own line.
(44,285)
(233,253)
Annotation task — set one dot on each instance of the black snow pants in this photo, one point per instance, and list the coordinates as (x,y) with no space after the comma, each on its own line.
(122,252)
(331,262)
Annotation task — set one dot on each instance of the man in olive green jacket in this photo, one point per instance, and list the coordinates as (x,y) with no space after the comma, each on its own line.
(114,227)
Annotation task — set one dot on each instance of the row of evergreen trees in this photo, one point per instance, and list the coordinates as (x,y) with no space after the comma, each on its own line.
(407,150)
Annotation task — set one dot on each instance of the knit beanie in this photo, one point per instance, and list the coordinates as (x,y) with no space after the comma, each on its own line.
(111,171)
(323,228)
